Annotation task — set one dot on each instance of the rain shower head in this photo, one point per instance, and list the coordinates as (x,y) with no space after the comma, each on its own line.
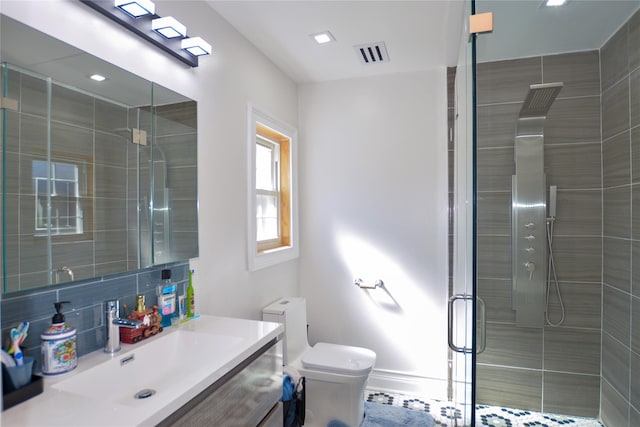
(539,99)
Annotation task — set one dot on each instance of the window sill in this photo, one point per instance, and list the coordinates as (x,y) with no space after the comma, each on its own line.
(272,257)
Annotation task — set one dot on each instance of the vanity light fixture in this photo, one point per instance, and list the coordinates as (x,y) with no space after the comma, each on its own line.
(136,8)
(555,2)
(196,46)
(98,77)
(139,17)
(168,27)
(323,37)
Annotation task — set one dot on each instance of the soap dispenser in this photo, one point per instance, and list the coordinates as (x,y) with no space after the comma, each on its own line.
(58,346)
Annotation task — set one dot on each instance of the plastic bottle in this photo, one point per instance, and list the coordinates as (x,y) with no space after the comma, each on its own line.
(191,297)
(167,300)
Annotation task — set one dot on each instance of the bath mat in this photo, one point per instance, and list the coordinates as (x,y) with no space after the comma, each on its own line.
(380,415)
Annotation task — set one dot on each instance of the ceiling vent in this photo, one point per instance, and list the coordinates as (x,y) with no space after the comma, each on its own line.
(372,53)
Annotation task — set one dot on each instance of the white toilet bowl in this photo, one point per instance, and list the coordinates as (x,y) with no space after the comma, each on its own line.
(336,375)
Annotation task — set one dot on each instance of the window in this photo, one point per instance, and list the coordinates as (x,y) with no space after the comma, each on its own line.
(272,202)
(66,211)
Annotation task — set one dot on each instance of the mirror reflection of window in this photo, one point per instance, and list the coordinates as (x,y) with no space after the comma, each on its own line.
(66,210)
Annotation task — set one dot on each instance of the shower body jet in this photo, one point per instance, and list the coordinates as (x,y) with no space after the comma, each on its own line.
(529,208)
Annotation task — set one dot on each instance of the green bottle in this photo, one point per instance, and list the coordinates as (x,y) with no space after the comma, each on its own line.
(191,298)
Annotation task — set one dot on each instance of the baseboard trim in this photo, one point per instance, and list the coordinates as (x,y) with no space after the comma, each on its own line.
(408,383)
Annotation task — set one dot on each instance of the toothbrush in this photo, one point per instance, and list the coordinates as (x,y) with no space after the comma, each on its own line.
(18,357)
(20,333)
(15,346)
(23,328)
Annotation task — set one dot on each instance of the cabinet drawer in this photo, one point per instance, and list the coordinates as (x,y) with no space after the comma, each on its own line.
(275,417)
(242,398)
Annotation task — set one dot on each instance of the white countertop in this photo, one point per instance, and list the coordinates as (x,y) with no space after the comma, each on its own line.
(55,407)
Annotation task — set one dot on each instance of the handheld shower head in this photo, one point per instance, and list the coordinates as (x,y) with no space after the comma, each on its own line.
(552,201)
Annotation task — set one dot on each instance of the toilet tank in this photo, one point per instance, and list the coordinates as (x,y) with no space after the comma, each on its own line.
(292,313)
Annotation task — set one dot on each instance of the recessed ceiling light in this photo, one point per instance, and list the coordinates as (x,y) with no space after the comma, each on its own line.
(555,2)
(98,77)
(323,37)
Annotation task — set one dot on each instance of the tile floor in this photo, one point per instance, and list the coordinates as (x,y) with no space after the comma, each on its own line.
(444,413)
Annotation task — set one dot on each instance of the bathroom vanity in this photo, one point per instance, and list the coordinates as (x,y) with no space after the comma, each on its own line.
(203,371)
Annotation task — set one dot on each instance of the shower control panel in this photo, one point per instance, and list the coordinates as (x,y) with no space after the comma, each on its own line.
(529,205)
(529,265)
(528,252)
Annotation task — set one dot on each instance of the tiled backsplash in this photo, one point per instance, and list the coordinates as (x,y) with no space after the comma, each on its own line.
(86,309)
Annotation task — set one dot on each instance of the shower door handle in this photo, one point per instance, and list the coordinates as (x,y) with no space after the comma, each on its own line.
(481,326)
(452,300)
(482,334)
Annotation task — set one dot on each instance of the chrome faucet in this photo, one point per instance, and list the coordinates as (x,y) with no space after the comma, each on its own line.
(112,324)
(68,271)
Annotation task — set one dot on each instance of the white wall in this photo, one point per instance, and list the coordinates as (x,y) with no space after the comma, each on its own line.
(373,169)
(373,184)
(223,85)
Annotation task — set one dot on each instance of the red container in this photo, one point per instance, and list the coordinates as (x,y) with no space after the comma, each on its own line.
(151,325)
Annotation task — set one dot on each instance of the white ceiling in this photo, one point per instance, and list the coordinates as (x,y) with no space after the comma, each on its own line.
(419,34)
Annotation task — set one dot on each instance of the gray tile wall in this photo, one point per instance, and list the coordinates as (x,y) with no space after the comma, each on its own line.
(621,223)
(554,369)
(176,136)
(83,132)
(85,312)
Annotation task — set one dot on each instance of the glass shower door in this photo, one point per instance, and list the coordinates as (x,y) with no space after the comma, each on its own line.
(573,349)
(461,287)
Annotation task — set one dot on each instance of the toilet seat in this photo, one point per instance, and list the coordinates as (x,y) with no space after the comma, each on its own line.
(340,359)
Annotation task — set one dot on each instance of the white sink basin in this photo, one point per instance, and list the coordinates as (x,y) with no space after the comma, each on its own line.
(178,359)
(178,364)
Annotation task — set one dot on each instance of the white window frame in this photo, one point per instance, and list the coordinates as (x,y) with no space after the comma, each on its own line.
(258,260)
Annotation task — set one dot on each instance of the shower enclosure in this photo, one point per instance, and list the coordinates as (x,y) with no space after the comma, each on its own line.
(545,229)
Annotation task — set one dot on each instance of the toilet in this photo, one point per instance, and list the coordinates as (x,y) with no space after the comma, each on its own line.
(336,375)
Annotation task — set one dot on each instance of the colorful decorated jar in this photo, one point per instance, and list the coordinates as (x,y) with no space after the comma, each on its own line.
(58,346)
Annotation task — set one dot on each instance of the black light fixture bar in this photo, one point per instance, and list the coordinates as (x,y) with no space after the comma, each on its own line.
(142,27)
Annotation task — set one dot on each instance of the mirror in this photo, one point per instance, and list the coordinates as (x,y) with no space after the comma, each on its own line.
(98,177)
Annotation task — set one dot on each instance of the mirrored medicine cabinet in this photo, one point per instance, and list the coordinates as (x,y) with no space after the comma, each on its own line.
(98,177)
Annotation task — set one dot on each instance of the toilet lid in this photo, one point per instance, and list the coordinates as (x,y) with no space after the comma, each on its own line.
(340,359)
